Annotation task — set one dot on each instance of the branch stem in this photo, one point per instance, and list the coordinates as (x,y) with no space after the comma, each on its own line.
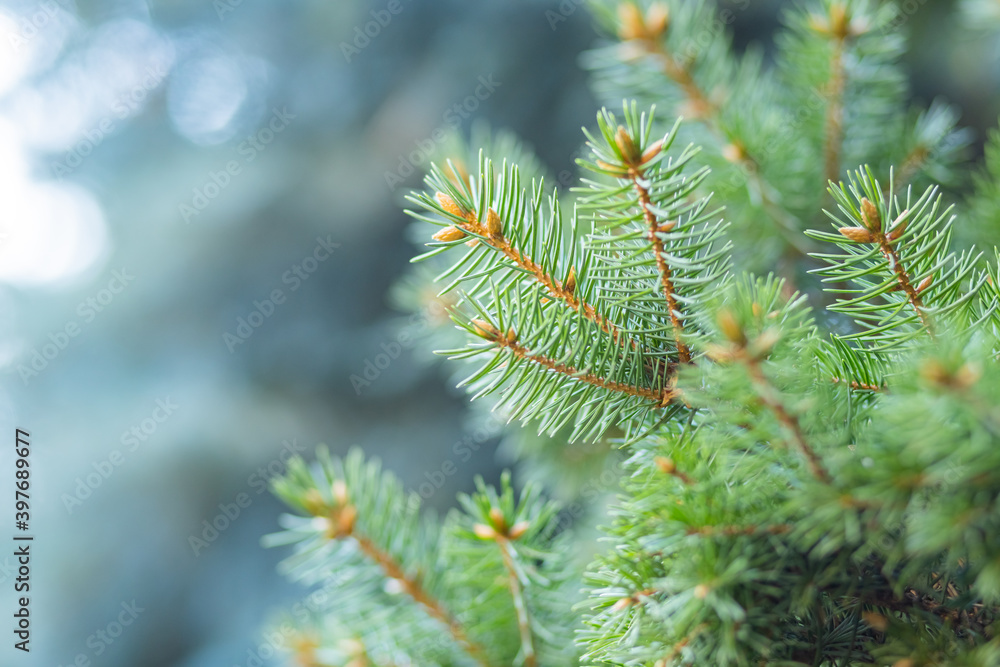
(554,287)
(666,277)
(517,593)
(413,588)
(661,397)
(834,127)
(903,278)
(768,396)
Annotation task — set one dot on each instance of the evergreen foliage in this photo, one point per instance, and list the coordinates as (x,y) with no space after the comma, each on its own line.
(802,477)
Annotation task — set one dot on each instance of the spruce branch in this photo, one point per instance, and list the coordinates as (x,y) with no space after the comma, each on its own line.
(340,516)
(492,235)
(650,218)
(750,353)
(510,342)
(520,606)
(837,27)
(645,35)
(634,160)
(902,279)
(416,591)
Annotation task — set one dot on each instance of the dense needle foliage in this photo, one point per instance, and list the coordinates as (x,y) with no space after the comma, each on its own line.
(754,321)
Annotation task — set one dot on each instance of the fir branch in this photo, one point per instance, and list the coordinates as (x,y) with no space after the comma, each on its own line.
(413,588)
(658,250)
(769,397)
(646,34)
(676,649)
(492,235)
(509,341)
(838,29)
(889,252)
(520,606)
(750,353)
(903,279)
(654,229)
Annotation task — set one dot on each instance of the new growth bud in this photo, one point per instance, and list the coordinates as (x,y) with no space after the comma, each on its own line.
(449,205)
(570,284)
(449,234)
(627,147)
(899,226)
(494,225)
(484,532)
(870,216)
(857,234)
(730,327)
(484,329)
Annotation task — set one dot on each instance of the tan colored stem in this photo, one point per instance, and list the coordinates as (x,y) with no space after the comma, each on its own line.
(903,278)
(767,395)
(662,398)
(858,385)
(517,593)
(911,166)
(413,588)
(666,277)
(554,287)
(733,531)
(834,127)
(707,111)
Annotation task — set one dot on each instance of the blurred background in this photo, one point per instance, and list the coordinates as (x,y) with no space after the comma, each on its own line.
(200,225)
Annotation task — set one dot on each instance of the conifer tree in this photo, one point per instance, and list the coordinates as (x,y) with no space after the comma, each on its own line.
(757,319)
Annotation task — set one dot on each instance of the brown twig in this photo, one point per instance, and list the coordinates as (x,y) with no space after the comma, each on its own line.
(903,278)
(660,397)
(861,386)
(517,593)
(733,531)
(414,589)
(767,395)
(707,112)
(666,278)
(556,288)
(834,126)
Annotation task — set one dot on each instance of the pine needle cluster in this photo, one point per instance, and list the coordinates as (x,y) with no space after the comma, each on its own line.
(756,320)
